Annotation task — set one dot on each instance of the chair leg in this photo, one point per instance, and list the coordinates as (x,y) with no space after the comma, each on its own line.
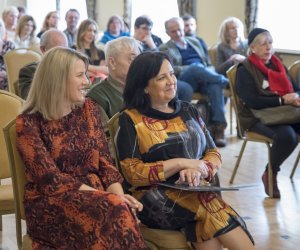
(230,115)
(0,222)
(295,166)
(270,172)
(238,161)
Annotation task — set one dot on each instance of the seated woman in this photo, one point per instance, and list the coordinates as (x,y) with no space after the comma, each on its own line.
(86,44)
(50,21)
(5,46)
(25,33)
(73,198)
(232,48)
(262,82)
(115,28)
(162,139)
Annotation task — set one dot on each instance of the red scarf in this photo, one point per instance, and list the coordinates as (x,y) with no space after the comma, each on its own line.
(278,80)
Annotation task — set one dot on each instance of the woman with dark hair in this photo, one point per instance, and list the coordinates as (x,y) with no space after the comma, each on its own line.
(162,139)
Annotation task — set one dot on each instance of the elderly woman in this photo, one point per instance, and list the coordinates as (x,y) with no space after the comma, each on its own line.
(73,198)
(233,46)
(115,28)
(162,139)
(25,33)
(262,82)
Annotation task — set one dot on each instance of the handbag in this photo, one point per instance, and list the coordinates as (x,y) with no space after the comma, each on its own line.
(285,114)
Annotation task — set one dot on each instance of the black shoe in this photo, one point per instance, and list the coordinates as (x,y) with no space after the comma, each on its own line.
(219,135)
(265,180)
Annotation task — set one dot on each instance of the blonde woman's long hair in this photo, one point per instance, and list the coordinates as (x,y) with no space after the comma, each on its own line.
(50,85)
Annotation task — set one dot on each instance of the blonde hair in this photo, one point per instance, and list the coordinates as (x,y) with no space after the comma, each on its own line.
(224,29)
(50,85)
(83,27)
(258,39)
(45,23)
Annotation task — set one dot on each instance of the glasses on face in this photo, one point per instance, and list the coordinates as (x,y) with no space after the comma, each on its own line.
(146,28)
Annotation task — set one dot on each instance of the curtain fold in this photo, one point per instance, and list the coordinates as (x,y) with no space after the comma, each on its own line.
(186,7)
(127,12)
(251,14)
(91,9)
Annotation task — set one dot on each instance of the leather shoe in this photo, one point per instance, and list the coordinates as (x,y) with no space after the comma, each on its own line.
(265,180)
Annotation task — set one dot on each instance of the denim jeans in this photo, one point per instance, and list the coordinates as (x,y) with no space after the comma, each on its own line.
(206,81)
(184,91)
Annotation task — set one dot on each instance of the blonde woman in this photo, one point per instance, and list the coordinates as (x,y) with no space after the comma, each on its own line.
(50,21)
(72,182)
(86,44)
(233,46)
(25,33)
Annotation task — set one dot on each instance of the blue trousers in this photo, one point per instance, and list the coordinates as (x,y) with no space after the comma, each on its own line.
(206,81)
(184,91)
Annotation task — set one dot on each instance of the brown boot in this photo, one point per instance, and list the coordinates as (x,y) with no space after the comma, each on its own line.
(265,180)
(219,135)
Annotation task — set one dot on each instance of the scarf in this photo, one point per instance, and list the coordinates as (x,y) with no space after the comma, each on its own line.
(278,80)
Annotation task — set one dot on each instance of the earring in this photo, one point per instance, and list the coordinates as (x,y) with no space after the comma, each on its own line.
(146,91)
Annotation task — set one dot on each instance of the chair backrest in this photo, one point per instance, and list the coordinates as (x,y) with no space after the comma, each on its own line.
(113,127)
(10,106)
(231,74)
(17,174)
(15,60)
(212,54)
(294,72)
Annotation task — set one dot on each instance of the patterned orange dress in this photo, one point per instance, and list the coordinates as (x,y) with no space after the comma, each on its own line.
(60,156)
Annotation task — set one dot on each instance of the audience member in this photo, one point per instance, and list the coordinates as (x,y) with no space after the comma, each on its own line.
(142,33)
(50,39)
(232,48)
(22,11)
(73,198)
(191,65)
(10,18)
(86,44)
(167,141)
(114,29)
(25,33)
(50,21)
(72,18)
(5,46)
(262,82)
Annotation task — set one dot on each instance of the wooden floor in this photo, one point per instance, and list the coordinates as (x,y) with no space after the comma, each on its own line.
(273,223)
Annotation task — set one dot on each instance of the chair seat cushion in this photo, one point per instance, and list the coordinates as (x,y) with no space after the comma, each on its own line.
(6,198)
(170,239)
(27,242)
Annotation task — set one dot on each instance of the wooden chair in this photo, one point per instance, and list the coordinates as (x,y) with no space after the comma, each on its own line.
(10,106)
(14,61)
(18,180)
(294,73)
(212,54)
(248,135)
(156,239)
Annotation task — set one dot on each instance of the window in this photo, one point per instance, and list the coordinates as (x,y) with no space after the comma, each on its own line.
(281,18)
(39,9)
(156,10)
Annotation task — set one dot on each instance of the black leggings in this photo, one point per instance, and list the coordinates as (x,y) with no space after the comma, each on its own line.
(285,140)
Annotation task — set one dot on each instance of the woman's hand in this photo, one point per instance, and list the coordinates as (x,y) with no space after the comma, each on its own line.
(133,203)
(192,177)
(290,98)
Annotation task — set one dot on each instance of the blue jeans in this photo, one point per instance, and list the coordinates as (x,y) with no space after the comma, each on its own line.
(206,81)
(184,91)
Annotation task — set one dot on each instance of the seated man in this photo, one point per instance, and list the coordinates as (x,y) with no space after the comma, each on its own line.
(119,54)
(50,39)
(149,42)
(192,65)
